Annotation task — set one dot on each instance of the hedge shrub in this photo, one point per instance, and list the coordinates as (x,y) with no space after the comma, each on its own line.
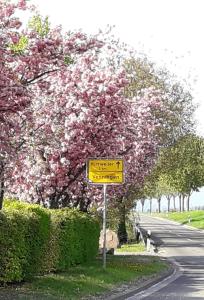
(35,240)
(28,230)
(78,236)
(13,247)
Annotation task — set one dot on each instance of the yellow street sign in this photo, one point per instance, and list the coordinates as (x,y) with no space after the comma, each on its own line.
(105,171)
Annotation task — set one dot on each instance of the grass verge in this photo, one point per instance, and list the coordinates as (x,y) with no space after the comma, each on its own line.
(89,279)
(131,248)
(196,218)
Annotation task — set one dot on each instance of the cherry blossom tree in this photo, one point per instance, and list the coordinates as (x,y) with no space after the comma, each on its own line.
(14,97)
(27,58)
(86,115)
(76,108)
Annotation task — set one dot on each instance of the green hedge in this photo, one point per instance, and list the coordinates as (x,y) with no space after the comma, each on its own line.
(35,240)
(78,236)
(13,250)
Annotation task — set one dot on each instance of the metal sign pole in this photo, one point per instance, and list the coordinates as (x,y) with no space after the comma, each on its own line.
(104,225)
(105,171)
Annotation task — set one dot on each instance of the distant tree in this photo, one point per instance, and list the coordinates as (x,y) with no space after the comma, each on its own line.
(166,188)
(178,117)
(183,166)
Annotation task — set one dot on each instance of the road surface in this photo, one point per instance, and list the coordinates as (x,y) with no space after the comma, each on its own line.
(186,247)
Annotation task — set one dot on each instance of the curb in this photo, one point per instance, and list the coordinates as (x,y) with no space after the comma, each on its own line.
(131,290)
(157,286)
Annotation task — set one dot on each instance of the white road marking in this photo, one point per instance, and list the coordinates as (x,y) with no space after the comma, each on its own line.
(158,286)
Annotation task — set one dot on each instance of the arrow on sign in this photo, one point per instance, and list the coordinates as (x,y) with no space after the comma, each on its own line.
(118,163)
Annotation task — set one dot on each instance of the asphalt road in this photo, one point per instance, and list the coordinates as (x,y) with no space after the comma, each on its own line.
(184,246)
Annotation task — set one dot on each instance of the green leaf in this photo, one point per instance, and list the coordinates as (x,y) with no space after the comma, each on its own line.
(42,27)
(19,47)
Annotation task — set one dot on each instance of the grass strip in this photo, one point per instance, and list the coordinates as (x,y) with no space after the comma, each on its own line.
(90,279)
(131,248)
(196,218)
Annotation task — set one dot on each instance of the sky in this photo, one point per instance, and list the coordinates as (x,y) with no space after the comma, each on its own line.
(170,32)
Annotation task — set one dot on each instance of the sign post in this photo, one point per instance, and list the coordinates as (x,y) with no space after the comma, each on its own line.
(104,225)
(105,171)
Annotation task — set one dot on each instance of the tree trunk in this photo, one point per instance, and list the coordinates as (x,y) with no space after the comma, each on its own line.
(159,204)
(1,184)
(142,203)
(180,202)
(53,202)
(84,204)
(168,203)
(122,232)
(150,206)
(174,202)
(188,202)
(1,193)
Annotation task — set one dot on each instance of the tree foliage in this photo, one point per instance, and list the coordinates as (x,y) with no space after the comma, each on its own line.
(177,120)
(179,170)
(183,164)
(178,116)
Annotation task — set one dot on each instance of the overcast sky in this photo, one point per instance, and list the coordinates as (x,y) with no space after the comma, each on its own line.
(169,31)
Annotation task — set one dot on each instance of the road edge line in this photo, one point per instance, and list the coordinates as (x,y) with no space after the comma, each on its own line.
(147,284)
(158,285)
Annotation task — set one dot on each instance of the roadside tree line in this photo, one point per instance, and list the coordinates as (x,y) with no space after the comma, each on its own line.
(178,172)
(177,135)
